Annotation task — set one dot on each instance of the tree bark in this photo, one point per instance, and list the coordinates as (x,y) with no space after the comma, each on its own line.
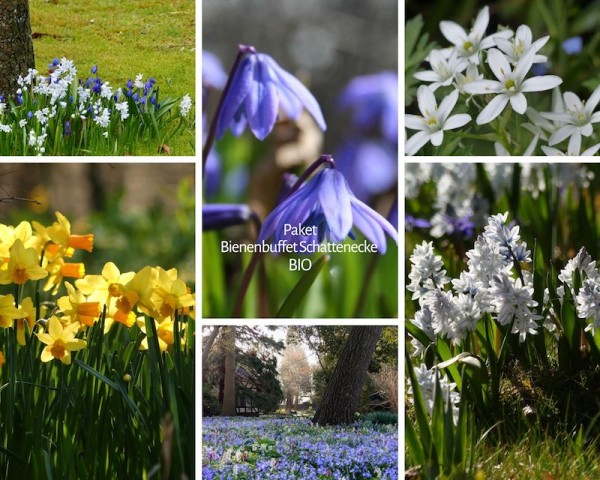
(16,44)
(209,343)
(228,407)
(342,394)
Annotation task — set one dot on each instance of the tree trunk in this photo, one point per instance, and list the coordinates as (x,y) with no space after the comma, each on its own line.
(342,394)
(206,349)
(16,44)
(228,407)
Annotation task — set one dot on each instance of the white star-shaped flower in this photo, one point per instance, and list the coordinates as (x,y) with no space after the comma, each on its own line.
(515,48)
(577,118)
(468,45)
(434,119)
(510,86)
(443,69)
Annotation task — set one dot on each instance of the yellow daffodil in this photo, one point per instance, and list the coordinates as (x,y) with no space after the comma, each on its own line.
(106,286)
(60,233)
(164,331)
(23,265)
(28,315)
(8,312)
(60,269)
(77,308)
(170,294)
(8,235)
(136,292)
(60,341)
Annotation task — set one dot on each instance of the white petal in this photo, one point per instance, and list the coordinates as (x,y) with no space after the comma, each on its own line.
(483,86)
(540,42)
(492,109)
(490,40)
(556,117)
(586,130)
(572,101)
(426,100)
(504,45)
(574,145)
(524,64)
(519,103)
(500,150)
(590,152)
(446,105)
(592,102)
(427,76)
(437,138)
(457,121)
(414,122)
(453,32)
(561,134)
(540,84)
(540,59)
(414,143)
(498,63)
(481,23)
(552,152)
(524,33)
(531,147)
(595,118)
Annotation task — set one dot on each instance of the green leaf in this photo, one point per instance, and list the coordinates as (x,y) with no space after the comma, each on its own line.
(296,296)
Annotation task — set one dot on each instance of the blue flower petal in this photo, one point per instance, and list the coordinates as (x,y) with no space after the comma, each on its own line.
(236,94)
(335,202)
(290,82)
(261,103)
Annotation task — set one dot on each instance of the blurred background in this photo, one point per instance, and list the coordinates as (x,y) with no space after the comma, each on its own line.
(325,43)
(140,214)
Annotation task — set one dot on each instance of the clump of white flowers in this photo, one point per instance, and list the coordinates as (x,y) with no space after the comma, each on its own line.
(491,75)
(426,378)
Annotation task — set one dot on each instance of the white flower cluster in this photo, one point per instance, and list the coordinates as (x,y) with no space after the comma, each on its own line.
(510,56)
(426,378)
(494,283)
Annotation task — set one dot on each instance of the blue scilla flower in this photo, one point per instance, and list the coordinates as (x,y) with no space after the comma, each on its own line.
(573,45)
(373,100)
(326,201)
(213,73)
(221,215)
(94,69)
(370,166)
(258,90)
(67,128)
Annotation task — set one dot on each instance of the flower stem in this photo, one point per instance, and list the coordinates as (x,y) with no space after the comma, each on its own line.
(237,309)
(328,159)
(210,139)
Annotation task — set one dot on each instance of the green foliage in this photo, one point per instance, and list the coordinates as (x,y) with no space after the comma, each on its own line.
(266,393)
(111,413)
(124,38)
(210,401)
(380,418)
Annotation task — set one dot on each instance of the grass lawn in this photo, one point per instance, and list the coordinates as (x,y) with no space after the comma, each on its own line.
(124,38)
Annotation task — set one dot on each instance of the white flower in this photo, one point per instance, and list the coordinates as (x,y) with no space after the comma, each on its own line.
(123,109)
(510,86)
(42,115)
(588,304)
(23,123)
(584,264)
(573,150)
(427,379)
(5,128)
(512,301)
(139,81)
(501,151)
(426,272)
(106,91)
(443,70)
(485,260)
(516,48)
(185,105)
(470,75)
(423,321)
(103,119)
(433,121)
(468,45)
(577,117)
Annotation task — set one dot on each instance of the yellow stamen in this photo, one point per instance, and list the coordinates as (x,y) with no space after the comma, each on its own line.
(82,242)
(73,270)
